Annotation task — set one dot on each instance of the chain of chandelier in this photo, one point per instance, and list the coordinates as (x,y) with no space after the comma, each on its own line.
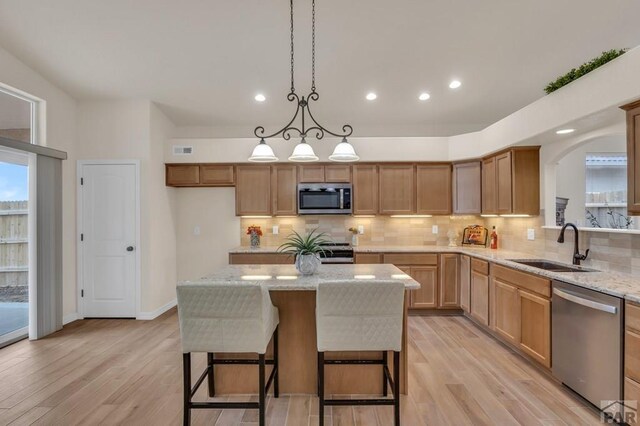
(303,152)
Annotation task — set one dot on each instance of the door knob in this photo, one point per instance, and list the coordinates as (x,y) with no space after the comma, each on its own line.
(130,248)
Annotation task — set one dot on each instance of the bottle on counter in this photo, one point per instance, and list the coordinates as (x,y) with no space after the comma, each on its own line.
(494,239)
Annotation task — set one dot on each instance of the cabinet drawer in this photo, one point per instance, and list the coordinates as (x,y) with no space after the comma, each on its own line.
(368,258)
(214,175)
(632,317)
(411,258)
(541,286)
(480,266)
(632,392)
(260,259)
(632,355)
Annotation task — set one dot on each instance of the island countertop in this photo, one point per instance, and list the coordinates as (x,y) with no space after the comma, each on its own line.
(286,277)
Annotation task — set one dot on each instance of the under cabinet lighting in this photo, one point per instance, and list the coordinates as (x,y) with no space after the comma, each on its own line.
(411,216)
(364,216)
(255,277)
(255,217)
(364,277)
(515,215)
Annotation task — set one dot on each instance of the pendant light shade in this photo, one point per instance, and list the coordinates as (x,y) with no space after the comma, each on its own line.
(303,153)
(263,153)
(344,152)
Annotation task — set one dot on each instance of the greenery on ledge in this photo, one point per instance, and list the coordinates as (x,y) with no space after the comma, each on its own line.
(583,69)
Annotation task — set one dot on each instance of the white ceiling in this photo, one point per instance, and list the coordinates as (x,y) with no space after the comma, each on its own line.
(203,61)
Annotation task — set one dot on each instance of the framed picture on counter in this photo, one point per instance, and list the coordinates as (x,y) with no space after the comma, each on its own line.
(475,235)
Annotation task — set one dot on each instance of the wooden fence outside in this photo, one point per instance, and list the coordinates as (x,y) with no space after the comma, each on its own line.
(14,248)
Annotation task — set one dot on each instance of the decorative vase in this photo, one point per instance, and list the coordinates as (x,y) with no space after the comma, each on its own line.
(354,240)
(307,264)
(254,238)
(453,235)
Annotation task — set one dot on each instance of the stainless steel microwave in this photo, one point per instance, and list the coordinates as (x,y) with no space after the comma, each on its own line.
(324,198)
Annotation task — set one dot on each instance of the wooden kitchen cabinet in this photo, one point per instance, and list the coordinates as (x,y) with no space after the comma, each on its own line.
(480,297)
(319,173)
(489,186)
(511,182)
(367,258)
(433,189)
(260,259)
(365,189)
(397,189)
(182,175)
(427,295)
(633,157)
(217,175)
(535,327)
(253,190)
(284,190)
(506,310)
(465,282)
(449,283)
(467,188)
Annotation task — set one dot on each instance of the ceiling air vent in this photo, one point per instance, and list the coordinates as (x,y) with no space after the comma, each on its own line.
(182,150)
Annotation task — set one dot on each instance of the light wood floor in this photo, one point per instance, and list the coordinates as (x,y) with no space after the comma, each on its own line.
(129,372)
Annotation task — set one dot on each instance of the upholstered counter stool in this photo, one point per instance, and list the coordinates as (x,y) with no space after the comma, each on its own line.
(227,318)
(360,316)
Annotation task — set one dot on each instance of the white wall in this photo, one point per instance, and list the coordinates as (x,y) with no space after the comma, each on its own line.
(59,133)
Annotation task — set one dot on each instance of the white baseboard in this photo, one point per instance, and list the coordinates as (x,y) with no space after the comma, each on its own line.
(155,314)
(70,318)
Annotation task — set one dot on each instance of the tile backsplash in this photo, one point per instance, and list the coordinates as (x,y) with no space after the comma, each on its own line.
(609,251)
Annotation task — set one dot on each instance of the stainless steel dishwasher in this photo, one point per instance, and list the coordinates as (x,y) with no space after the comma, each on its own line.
(587,341)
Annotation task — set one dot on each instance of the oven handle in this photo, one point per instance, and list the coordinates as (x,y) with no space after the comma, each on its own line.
(585,302)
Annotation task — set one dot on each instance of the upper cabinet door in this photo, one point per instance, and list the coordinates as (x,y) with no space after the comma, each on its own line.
(397,189)
(337,174)
(489,186)
(633,157)
(253,190)
(433,185)
(365,189)
(467,188)
(216,175)
(182,175)
(284,185)
(311,173)
(504,194)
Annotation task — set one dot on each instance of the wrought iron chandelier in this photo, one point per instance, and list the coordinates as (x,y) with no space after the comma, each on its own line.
(303,152)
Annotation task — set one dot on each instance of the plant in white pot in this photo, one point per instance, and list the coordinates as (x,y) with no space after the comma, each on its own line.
(306,250)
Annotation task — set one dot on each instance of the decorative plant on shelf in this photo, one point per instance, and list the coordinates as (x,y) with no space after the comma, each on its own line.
(254,232)
(583,69)
(306,249)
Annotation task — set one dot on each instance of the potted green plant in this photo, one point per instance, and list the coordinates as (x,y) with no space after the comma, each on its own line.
(306,250)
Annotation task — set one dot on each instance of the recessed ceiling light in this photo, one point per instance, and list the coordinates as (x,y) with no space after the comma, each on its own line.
(565,131)
(371,96)
(424,96)
(260,97)
(455,84)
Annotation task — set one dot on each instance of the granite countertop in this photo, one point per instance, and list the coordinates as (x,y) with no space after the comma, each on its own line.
(286,277)
(614,283)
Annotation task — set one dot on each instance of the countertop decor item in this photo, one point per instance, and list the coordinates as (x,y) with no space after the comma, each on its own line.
(307,250)
(474,235)
(453,236)
(303,152)
(354,236)
(254,232)
(583,69)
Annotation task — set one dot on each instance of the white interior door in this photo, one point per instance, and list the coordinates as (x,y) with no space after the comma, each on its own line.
(108,239)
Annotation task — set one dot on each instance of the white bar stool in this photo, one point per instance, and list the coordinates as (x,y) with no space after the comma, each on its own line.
(227,318)
(361,316)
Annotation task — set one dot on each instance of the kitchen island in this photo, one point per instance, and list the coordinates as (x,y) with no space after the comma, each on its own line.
(295,297)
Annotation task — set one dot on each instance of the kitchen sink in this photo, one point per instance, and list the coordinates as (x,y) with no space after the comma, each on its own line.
(550,266)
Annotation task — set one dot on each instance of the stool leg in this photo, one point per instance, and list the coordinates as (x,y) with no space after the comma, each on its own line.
(396,388)
(321,388)
(186,376)
(385,360)
(276,379)
(210,379)
(261,384)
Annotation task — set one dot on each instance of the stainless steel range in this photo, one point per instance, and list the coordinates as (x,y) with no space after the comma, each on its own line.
(337,253)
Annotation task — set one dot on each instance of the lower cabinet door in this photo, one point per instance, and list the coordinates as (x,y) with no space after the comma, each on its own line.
(426,297)
(465,282)
(506,311)
(535,327)
(449,291)
(632,393)
(480,297)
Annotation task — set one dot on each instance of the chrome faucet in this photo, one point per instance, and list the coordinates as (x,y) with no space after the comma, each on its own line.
(577,257)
